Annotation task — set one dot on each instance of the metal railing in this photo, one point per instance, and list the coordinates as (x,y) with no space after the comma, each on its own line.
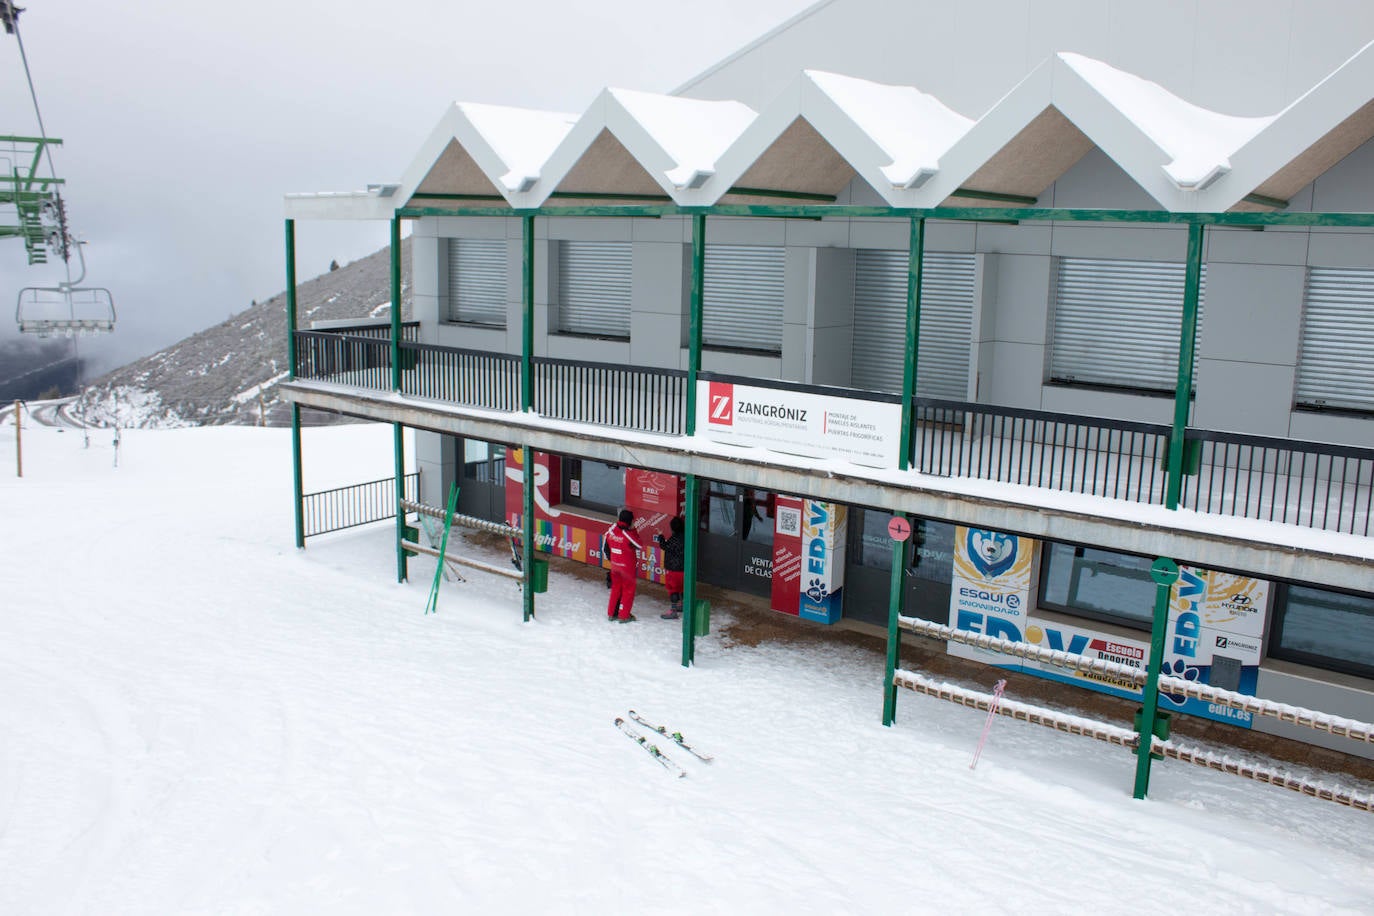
(377,330)
(627,397)
(475,378)
(1074,454)
(1329,487)
(1313,484)
(327,356)
(358,504)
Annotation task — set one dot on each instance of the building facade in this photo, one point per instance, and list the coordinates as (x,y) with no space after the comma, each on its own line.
(630,278)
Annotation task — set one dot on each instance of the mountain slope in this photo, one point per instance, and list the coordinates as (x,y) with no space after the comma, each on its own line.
(229,373)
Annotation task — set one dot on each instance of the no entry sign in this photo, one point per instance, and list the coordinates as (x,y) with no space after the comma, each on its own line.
(899,528)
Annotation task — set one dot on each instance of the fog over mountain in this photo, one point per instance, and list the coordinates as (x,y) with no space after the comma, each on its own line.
(229,373)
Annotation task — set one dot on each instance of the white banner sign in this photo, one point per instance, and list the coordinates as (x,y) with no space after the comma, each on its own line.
(800,423)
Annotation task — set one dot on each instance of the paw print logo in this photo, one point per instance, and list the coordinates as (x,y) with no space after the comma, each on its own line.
(1178,669)
(817,590)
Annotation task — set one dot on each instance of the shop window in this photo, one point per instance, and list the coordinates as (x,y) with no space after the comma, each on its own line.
(1099,584)
(757,516)
(593,485)
(932,551)
(1324,629)
(875,544)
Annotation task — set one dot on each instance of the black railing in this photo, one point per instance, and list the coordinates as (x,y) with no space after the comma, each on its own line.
(1315,485)
(359,504)
(1073,454)
(628,397)
(329,357)
(475,378)
(410,330)
(1312,484)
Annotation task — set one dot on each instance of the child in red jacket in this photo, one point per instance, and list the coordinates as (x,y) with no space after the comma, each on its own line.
(620,544)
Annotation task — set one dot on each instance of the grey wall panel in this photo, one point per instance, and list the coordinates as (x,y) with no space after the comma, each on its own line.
(727,230)
(1097,181)
(1027,238)
(1243,397)
(1112,404)
(891,234)
(1312,693)
(829,233)
(424,254)
(1021,296)
(1327,427)
(658,283)
(1246,246)
(1341,249)
(1141,243)
(1252,313)
(1346,185)
(665,229)
(1011,374)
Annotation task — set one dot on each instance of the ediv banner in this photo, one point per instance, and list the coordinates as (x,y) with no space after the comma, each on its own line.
(990,590)
(800,422)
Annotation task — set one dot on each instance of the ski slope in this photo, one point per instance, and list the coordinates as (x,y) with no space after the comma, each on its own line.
(197,717)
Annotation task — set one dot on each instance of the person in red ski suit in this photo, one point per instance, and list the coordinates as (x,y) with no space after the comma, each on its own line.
(620,544)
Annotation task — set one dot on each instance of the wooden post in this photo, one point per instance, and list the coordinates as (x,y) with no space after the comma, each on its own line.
(18,440)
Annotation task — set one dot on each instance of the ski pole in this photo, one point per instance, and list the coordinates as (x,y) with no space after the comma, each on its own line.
(992,714)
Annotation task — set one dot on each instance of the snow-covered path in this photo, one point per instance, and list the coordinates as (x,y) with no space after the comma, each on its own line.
(195,717)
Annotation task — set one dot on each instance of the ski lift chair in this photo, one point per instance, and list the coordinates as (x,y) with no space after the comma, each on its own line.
(66,309)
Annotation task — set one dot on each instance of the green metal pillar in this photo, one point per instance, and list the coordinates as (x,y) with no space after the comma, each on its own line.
(398,439)
(527,312)
(1165,573)
(689,572)
(297,491)
(1184,390)
(689,575)
(915,259)
(694,319)
(526,405)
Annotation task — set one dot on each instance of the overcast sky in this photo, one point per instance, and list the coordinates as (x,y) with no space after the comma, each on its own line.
(185,123)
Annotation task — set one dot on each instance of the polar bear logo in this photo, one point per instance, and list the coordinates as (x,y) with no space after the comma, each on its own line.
(992,552)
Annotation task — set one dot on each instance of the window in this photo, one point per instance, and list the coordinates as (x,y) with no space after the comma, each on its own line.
(932,551)
(879,349)
(593,485)
(594,288)
(1324,629)
(477,281)
(742,301)
(1116,323)
(1099,584)
(1337,340)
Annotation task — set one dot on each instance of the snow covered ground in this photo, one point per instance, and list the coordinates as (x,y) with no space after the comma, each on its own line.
(196,717)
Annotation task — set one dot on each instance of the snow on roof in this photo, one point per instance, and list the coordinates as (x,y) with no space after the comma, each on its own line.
(1199,141)
(523,138)
(913,128)
(895,138)
(692,132)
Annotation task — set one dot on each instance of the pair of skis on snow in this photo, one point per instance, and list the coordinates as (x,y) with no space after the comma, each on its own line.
(668,763)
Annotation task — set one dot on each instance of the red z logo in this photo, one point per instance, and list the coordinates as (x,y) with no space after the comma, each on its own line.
(721,398)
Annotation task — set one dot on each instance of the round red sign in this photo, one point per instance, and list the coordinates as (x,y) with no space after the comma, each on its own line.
(899,528)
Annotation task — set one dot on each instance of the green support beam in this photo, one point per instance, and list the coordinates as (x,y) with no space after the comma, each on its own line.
(689,574)
(526,313)
(297,491)
(694,320)
(971,214)
(398,438)
(915,261)
(526,405)
(1165,573)
(1183,391)
(527,534)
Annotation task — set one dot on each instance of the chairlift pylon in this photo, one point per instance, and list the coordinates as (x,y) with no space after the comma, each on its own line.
(67,308)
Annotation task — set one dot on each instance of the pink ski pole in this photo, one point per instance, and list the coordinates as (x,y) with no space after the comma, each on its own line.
(992,714)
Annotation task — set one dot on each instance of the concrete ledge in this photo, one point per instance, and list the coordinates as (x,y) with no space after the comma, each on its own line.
(1114,527)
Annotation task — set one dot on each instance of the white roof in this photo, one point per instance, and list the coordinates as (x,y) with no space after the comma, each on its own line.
(914,150)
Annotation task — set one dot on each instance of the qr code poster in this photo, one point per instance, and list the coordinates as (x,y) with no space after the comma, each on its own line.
(789,521)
